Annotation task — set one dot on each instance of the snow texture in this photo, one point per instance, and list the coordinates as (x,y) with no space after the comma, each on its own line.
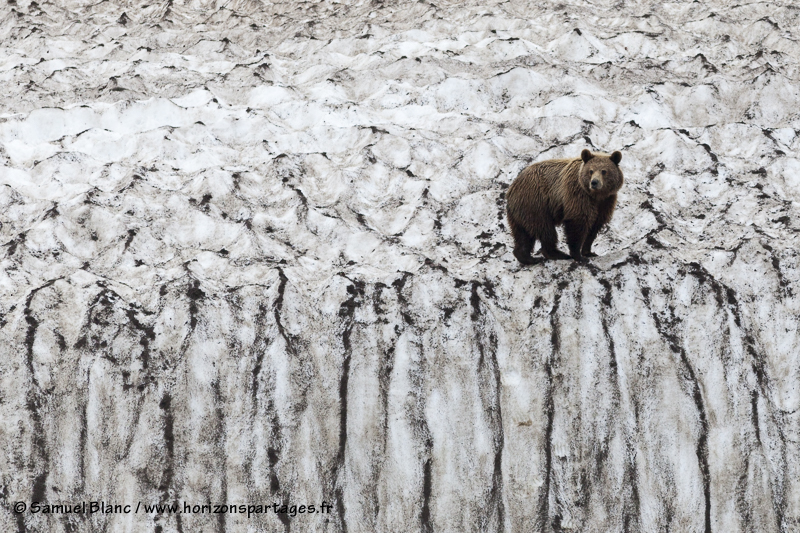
(256,252)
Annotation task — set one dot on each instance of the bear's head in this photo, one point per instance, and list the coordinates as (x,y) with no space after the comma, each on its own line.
(600,175)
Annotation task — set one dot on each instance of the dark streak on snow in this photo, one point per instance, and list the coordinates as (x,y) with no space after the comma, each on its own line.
(291,345)
(425,514)
(260,346)
(34,402)
(726,297)
(398,285)
(776,264)
(688,373)
(219,444)
(347,315)
(148,334)
(169,441)
(543,517)
(490,388)
(274,451)
(385,368)
(195,294)
(631,511)
(420,424)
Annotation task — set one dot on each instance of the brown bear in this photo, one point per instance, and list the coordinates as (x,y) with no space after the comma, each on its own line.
(580,193)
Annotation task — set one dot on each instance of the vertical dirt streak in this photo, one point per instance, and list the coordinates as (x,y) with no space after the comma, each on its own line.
(491,395)
(630,506)
(347,315)
(34,402)
(701,451)
(555,344)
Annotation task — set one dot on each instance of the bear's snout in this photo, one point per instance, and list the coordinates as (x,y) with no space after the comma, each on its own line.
(595,184)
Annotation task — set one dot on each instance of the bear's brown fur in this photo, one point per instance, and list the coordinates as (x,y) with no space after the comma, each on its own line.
(579,193)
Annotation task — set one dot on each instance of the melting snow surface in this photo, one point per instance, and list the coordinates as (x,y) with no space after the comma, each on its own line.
(256,253)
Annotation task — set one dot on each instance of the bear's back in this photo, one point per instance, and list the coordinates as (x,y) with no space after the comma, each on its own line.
(537,186)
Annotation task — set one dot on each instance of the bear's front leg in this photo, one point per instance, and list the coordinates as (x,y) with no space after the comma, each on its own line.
(576,231)
(586,249)
(604,212)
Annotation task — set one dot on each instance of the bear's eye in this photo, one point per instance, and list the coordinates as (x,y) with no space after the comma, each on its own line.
(604,173)
(591,172)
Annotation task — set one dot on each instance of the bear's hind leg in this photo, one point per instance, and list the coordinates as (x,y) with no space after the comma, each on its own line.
(523,244)
(549,237)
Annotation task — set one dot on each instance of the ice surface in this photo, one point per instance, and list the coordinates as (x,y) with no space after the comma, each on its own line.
(256,252)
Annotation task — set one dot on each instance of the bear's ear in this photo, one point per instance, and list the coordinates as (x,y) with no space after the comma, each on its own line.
(616,157)
(586,155)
